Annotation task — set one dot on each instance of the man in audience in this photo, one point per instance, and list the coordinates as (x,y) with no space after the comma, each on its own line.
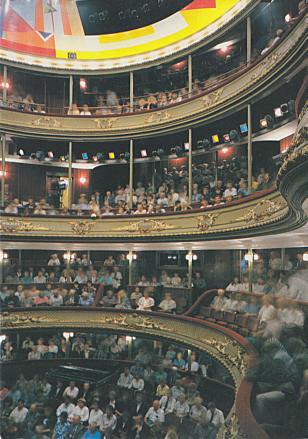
(125,379)
(109,300)
(56,299)
(109,422)
(154,414)
(67,407)
(168,305)
(181,407)
(76,429)
(18,416)
(215,419)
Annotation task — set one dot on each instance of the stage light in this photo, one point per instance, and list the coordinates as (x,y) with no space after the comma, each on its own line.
(82,180)
(131,256)
(215,138)
(50,154)
(127,156)
(288,18)
(32,156)
(6,85)
(111,155)
(234,137)
(278,112)
(40,156)
(191,257)
(83,83)
(154,153)
(160,153)
(21,152)
(100,156)
(284,108)
(144,153)
(186,146)
(205,143)
(226,138)
(84,155)
(291,106)
(224,47)
(269,121)
(95,159)
(121,156)
(62,158)
(263,123)
(243,128)
(179,151)
(225,150)
(200,144)
(5,173)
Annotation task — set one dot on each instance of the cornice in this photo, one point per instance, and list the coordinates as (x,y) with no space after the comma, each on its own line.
(262,77)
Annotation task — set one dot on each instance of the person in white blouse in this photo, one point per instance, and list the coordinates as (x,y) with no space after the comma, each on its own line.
(219,301)
(71,391)
(67,407)
(166,403)
(125,379)
(235,285)
(137,383)
(215,418)
(96,415)
(168,304)
(81,410)
(293,319)
(146,303)
(109,422)
(268,311)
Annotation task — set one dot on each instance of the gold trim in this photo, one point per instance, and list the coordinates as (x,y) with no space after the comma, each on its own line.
(266,209)
(207,221)
(13,225)
(146,226)
(81,227)
(104,123)
(47,121)
(159,116)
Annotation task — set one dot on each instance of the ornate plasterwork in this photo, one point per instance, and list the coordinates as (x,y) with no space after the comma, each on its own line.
(146,226)
(14,225)
(104,123)
(47,121)
(81,227)
(295,159)
(13,320)
(133,321)
(233,429)
(159,116)
(212,98)
(207,221)
(265,208)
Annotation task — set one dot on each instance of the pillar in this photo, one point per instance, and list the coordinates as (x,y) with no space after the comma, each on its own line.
(4,82)
(70,96)
(190,166)
(249,149)
(70,181)
(250,268)
(131,170)
(131,91)
(283,258)
(130,267)
(3,169)
(248,40)
(216,167)
(68,266)
(189,75)
(1,265)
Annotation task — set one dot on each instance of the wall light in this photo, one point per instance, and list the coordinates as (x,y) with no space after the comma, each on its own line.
(62,158)
(191,257)
(144,153)
(82,180)
(111,155)
(21,152)
(225,150)
(3,256)
(1,173)
(94,158)
(263,123)
(243,128)
(84,155)
(68,334)
(83,83)
(186,146)
(131,256)
(50,154)
(7,85)
(226,138)
(288,18)
(305,257)
(215,138)
(284,108)
(278,112)
(254,257)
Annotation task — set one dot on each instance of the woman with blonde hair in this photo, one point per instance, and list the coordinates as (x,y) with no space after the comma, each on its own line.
(152,102)
(124,302)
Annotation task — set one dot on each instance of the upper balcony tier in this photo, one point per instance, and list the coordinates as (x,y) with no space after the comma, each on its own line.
(249,84)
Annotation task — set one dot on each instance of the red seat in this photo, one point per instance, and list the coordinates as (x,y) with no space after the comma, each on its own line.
(229,317)
(240,322)
(243,332)
(205,313)
(252,324)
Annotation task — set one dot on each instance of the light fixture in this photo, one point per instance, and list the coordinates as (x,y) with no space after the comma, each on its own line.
(263,123)
(3,255)
(121,156)
(1,173)
(224,150)
(288,18)
(66,256)
(284,108)
(67,335)
(144,153)
(40,156)
(215,138)
(252,257)
(160,153)
(6,85)
(305,257)
(131,256)
(206,143)
(83,83)
(234,137)
(224,47)
(94,158)
(243,128)
(50,154)
(82,180)
(100,156)
(278,112)
(200,144)
(21,152)
(179,151)
(111,155)
(154,153)
(62,158)
(186,146)
(269,121)
(32,156)
(291,106)
(127,156)
(84,155)
(191,257)
(226,138)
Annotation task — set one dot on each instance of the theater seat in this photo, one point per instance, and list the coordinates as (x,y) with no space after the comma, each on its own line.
(240,322)
(229,317)
(205,313)
(217,316)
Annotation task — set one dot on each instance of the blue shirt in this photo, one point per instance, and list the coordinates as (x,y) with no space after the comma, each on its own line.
(89,435)
(158,376)
(178,363)
(60,430)
(86,302)
(26,281)
(104,280)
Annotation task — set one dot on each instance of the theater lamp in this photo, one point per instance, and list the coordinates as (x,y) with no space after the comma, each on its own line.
(131,256)
(191,257)
(305,257)
(186,146)
(226,138)
(144,153)
(21,152)
(215,138)
(3,255)
(253,257)
(82,180)
(1,173)
(234,137)
(243,128)
(68,334)
(278,112)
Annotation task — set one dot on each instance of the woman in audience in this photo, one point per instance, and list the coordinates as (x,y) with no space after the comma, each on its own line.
(146,302)
(234,285)
(123,300)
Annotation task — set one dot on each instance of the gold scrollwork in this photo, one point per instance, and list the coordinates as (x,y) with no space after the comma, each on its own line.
(9,320)
(81,227)
(104,123)
(207,221)
(233,429)
(265,208)
(211,98)
(146,226)
(134,321)
(159,116)
(13,225)
(47,121)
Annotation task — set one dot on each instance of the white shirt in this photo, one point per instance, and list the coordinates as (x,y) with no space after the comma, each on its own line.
(233,287)
(39,280)
(175,281)
(231,191)
(194,366)
(153,415)
(72,393)
(168,304)
(40,348)
(56,301)
(145,302)
(69,409)
(137,385)
(267,313)
(18,415)
(218,417)
(167,405)
(125,381)
(54,349)
(181,409)
(219,302)
(106,422)
(96,417)
(293,317)
(82,412)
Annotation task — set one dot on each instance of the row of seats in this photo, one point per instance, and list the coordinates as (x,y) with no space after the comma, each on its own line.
(240,323)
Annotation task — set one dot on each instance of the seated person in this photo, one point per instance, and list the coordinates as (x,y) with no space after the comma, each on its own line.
(197,411)
(179,362)
(109,300)
(85,300)
(154,414)
(72,298)
(146,302)
(162,388)
(168,304)
(136,295)
(106,279)
(41,299)
(137,383)
(144,282)
(125,379)
(215,419)
(109,422)
(194,366)
(219,301)
(167,402)
(181,407)
(123,300)
(175,279)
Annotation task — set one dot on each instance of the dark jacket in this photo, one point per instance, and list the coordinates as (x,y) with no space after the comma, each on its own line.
(71,434)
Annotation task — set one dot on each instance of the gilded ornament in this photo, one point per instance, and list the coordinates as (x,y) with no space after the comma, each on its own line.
(47,121)
(265,208)
(81,227)
(212,98)
(233,429)
(9,320)
(105,123)
(207,221)
(146,226)
(159,116)
(11,225)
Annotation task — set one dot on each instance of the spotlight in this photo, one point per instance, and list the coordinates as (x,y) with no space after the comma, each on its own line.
(291,105)
(179,151)
(225,150)
(284,108)
(154,153)
(6,85)
(234,137)
(263,123)
(186,146)
(50,154)
(278,112)
(224,47)
(21,152)
(144,153)
(40,156)
(84,155)
(215,138)
(111,155)
(127,156)
(226,138)
(160,153)
(243,128)
(83,83)
(200,144)
(288,18)
(205,143)
(94,158)
(62,158)
(82,180)
(32,156)
(121,156)
(5,174)
(270,121)
(100,157)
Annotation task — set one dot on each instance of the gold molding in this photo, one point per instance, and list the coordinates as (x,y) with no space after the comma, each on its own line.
(48,122)
(146,226)
(265,208)
(14,225)
(81,227)
(105,123)
(207,221)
